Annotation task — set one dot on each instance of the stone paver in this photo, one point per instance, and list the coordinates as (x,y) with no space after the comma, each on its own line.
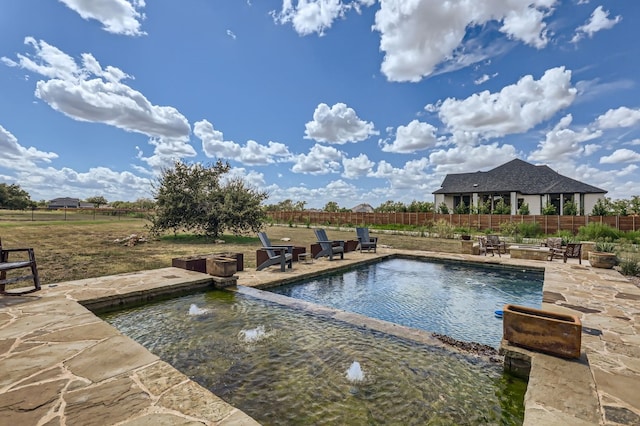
(63,365)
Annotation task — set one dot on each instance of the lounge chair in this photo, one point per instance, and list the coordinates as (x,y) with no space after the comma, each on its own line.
(365,242)
(328,247)
(28,260)
(277,255)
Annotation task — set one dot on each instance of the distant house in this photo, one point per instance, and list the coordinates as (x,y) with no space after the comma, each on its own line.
(64,203)
(362,208)
(517,182)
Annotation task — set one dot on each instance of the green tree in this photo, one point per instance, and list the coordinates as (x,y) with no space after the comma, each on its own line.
(331,207)
(601,208)
(524,209)
(420,206)
(461,208)
(191,197)
(501,208)
(620,207)
(634,204)
(97,200)
(569,208)
(13,197)
(549,209)
(442,208)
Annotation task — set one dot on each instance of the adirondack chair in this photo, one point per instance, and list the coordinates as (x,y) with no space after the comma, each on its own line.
(27,260)
(365,242)
(328,247)
(277,255)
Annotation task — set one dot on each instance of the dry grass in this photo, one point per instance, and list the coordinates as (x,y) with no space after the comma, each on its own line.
(75,250)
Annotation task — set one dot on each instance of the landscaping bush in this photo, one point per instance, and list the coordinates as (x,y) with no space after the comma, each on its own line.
(443,229)
(596,231)
(530,230)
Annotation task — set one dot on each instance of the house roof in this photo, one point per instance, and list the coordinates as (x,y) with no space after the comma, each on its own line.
(517,176)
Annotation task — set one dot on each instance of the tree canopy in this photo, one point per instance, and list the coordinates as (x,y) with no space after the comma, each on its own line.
(14,198)
(193,198)
(97,200)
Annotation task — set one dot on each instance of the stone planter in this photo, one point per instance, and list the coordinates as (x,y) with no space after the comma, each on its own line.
(221,266)
(465,237)
(544,331)
(191,263)
(599,259)
(239,257)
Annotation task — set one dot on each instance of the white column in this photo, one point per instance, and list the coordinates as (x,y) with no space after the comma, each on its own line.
(514,202)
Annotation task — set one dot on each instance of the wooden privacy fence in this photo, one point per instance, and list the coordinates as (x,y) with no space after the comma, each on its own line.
(548,224)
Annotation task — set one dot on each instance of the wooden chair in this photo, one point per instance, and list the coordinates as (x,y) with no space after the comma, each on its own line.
(572,251)
(27,260)
(499,245)
(486,246)
(277,255)
(556,251)
(365,242)
(328,247)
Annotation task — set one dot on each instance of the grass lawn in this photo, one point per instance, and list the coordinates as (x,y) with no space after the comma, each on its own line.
(72,250)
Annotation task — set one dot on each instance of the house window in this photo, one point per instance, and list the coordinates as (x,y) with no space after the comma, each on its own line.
(466,199)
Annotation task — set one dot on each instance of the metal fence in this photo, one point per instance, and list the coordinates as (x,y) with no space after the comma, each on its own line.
(548,224)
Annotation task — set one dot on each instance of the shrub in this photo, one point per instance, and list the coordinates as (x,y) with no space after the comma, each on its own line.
(509,228)
(549,209)
(569,208)
(443,229)
(605,246)
(630,265)
(567,237)
(524,209)
(442,208)
(529,230)
(596,231)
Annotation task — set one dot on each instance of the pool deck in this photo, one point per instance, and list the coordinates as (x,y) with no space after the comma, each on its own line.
(63,365)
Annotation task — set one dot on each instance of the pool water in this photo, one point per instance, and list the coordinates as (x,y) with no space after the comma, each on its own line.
(286,366)
(452,298)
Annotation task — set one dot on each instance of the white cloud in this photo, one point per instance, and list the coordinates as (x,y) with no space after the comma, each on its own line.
(418,35)
(15,156)
(413,176)
(620,117)
(214,146)
(563,143)
(413,137)
(357,167)
(231,34)
(338,124)
(315,16)
(515,109)
(165,152)
(117,16)
(320,160)
(48,183)
(464,159)
(621,156)
(484,78)
(599,21)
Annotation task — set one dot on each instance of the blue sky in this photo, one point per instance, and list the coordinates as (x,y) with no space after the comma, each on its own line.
(316,100)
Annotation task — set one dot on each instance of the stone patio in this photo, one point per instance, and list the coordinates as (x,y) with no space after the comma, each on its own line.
(62,365)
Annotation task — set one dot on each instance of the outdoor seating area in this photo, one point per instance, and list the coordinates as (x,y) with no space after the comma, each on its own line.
(18,259)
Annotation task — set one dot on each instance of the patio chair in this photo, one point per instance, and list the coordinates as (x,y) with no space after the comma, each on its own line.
(495,241)
(27,260)
(277,255)
(570,251)
(486,246)
(365,242)
(328,247)
(556,250)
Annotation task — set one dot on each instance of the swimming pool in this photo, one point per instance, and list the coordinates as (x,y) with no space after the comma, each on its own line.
(290,366)
(452,298)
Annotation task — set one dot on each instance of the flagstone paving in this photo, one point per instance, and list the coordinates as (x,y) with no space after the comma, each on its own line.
(63,365)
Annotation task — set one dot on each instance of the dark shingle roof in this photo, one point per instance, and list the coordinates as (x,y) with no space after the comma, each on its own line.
(518,176)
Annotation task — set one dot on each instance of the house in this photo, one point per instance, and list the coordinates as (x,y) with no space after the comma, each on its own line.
(64,203)
(362,208)
(517,182)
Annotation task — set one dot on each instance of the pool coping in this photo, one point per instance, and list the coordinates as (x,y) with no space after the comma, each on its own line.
(72,354)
